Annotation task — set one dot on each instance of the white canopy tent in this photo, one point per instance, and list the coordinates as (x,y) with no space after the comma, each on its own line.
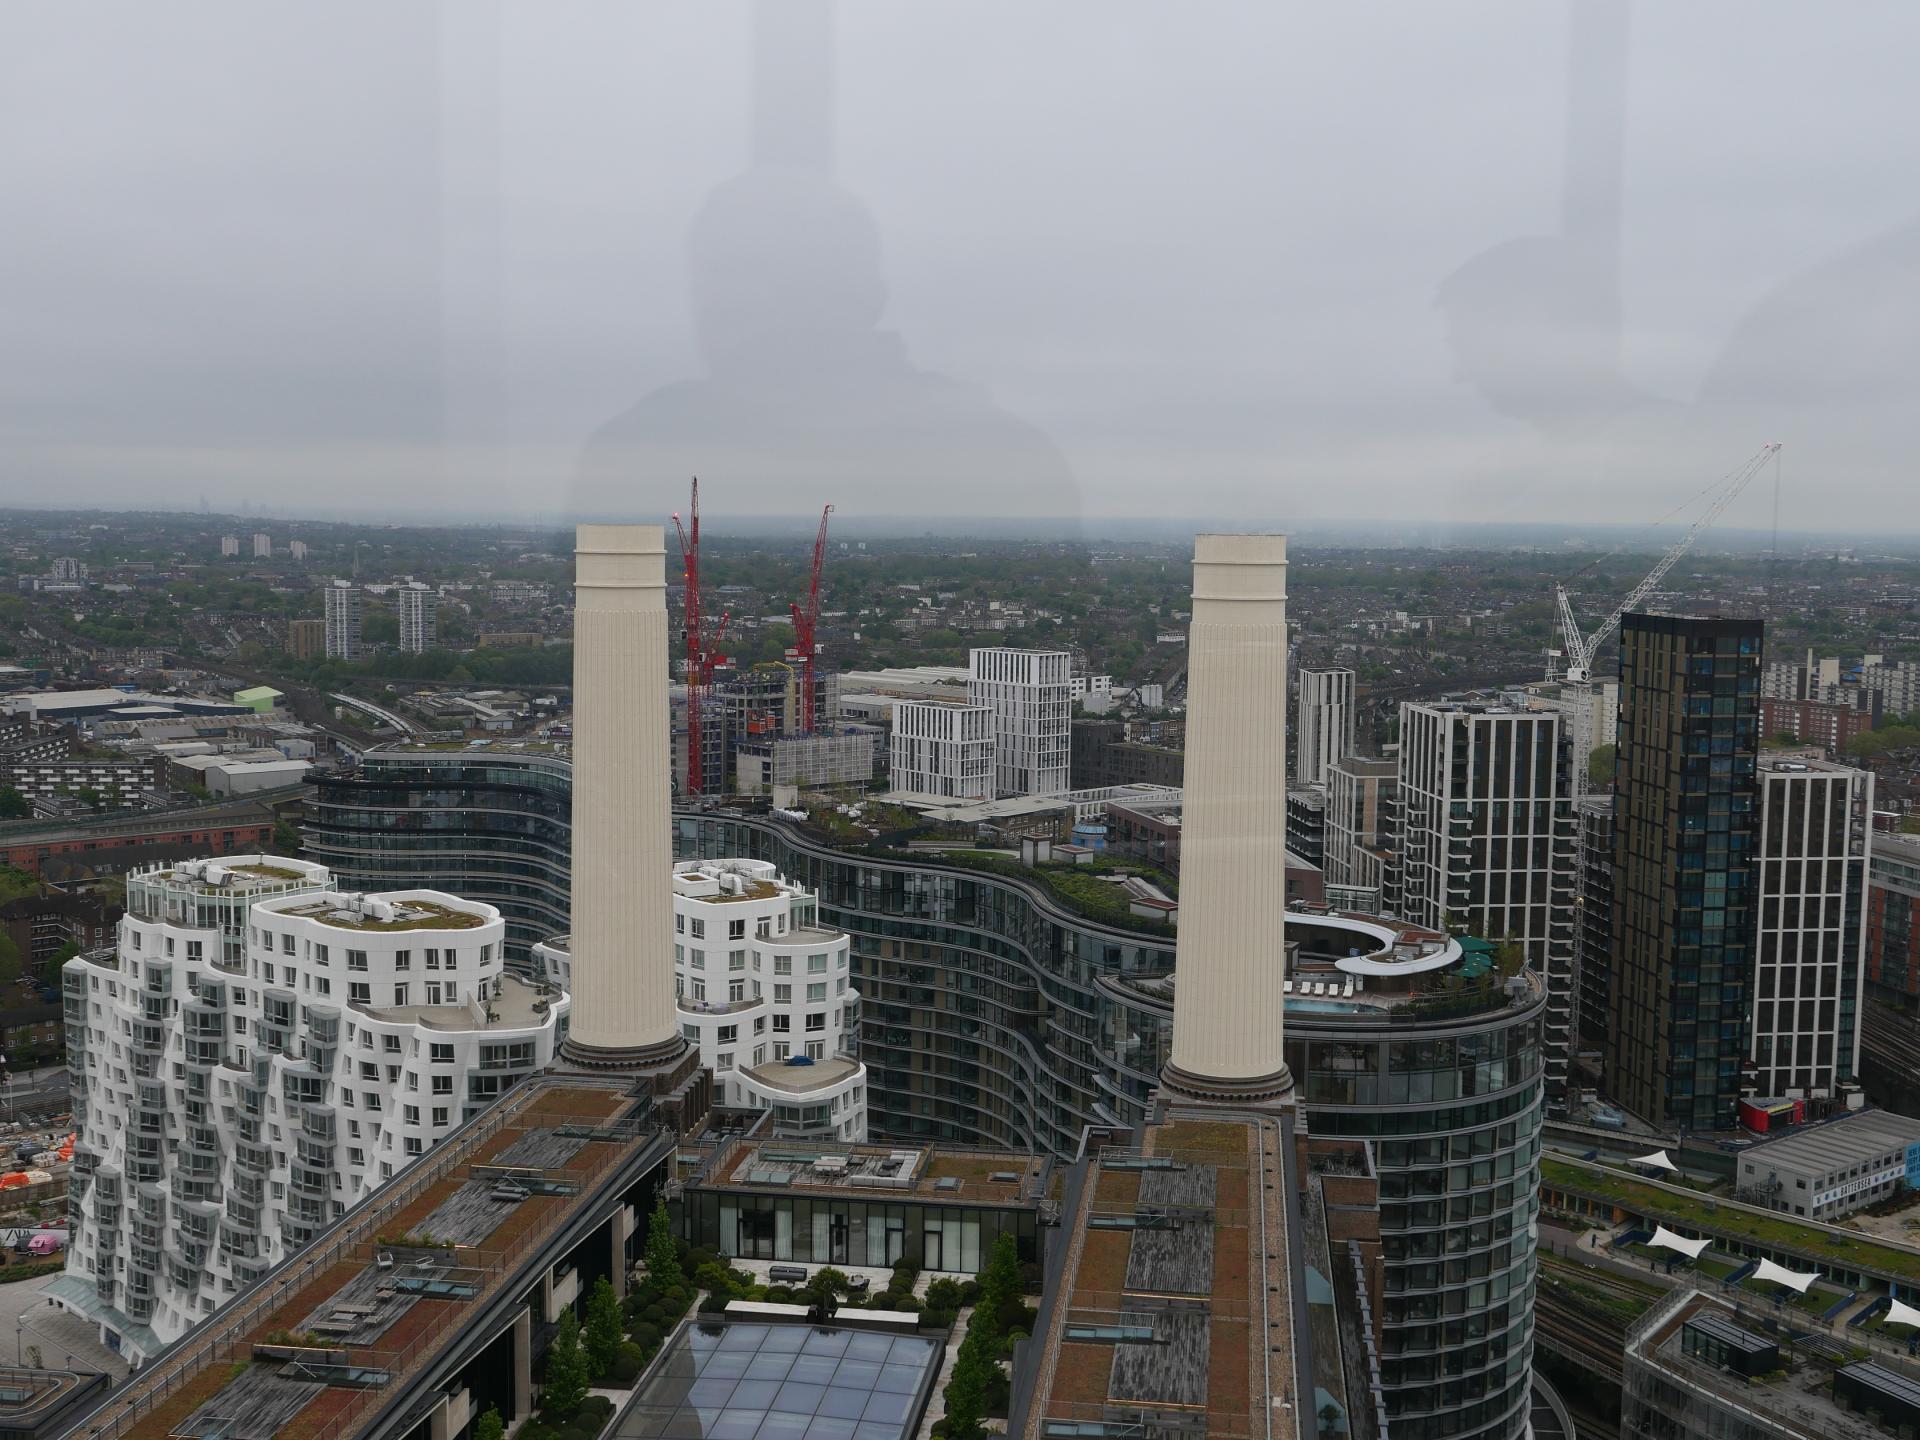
(1689,1248)
(1901,1313)
(1780,1275)
(1656,1161)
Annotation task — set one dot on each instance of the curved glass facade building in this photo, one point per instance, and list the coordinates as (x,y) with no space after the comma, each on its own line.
(488,823)
(993,1015)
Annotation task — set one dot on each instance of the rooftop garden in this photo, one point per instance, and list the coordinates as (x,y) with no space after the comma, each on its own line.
(1704,1214)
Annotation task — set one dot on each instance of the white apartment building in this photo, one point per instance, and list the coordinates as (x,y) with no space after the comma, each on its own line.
(765,993)
(1811,935)
(1486,842)
(262,546)
(1897,683)
(255,1055)
(1030,695)
(941,749)
(345,606)
(419,606)
(230,546)
(1324,728)
(297,549)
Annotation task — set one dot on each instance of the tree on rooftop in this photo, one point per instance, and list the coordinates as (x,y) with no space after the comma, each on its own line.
(566,1386)
(663,1256)
(603,1328)
(490,1426)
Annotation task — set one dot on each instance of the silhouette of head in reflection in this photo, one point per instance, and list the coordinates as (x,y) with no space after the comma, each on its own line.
(806,398)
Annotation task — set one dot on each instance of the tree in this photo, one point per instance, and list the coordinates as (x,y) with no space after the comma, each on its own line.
(9,959)
(662,1256)
(566,1387)
(490,1426)
(967,1393)
(1602,764)
(603,1328)
(286,839)
(13,805)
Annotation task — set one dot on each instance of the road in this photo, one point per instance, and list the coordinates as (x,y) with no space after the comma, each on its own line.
(29,1322)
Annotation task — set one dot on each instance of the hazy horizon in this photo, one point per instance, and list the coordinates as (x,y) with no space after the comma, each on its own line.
(1496,262)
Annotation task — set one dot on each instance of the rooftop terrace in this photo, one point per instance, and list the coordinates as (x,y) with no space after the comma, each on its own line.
(1175,1306)
(316,1347)
(384,913)
(884,1172)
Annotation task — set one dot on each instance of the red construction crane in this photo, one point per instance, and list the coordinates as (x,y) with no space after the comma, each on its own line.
(806,624)
(702,644)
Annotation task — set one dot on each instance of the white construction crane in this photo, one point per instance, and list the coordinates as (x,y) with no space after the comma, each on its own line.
(1580,649)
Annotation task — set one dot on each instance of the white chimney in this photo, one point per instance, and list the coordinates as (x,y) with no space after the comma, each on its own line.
(623,1011)
(1228,1000)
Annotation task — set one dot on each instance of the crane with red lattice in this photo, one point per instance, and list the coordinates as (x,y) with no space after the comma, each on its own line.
(806,625)
(703,655)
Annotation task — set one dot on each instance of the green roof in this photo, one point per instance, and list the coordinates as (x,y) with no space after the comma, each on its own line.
(258,692)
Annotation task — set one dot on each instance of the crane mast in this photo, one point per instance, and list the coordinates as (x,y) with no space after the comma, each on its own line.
(806,625)
(1580,649)
(703,655)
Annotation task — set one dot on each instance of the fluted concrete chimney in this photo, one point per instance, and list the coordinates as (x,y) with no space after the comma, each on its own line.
(623,1010)
(1228,999)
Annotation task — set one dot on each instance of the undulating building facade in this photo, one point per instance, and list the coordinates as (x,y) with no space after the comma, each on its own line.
(253,1057)
(1686,824)
(490,823)
(765,993)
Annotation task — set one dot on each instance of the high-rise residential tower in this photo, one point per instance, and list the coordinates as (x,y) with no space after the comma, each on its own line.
(345,606)
(1487,842)
(1811,942)
(1325,729)
(1030,693)
(1686,821)
(418,606)
(1362,800)
(262,546)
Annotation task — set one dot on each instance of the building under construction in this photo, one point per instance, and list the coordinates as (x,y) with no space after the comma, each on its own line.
(747,708)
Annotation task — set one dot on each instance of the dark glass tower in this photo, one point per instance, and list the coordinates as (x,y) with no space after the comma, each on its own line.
(1686,813)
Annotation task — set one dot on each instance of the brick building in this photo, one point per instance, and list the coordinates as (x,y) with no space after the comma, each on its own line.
(1812,722)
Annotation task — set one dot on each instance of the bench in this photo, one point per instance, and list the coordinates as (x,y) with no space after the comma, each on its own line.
(787,1274)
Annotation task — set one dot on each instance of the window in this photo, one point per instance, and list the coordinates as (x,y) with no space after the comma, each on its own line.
(728,1034)
(440,1054)
(699,929)
(736,929)
(726,1060)
(415,1146)
(699,989)
(816,964)
(443,1084)
(759,1054)
(736,991)
(410,1114)
(679,923)
(450,958)
(413,1082)
(736,960)
(781,1049)
(319,953)
(782,1024)
(440,1116)
(697,959)
(817,992)
(840,960)
(390,1043)
(266,973)
(816,1020)
(286,944)
(782,994)
(356,959)
(403,960)
(817,1049)
(400,995)
(783,964)
(360,990)
(840,985)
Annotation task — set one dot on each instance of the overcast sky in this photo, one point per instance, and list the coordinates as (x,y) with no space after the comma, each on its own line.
(1089,257)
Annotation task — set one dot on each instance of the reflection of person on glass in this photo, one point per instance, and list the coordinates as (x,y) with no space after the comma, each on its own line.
(805,398)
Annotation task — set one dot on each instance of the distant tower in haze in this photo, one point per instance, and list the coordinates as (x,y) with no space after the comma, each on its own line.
(419,606)
(262,546)
(1324,732)
(344,610)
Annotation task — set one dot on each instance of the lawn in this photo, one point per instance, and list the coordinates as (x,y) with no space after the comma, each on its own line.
(1700,1213)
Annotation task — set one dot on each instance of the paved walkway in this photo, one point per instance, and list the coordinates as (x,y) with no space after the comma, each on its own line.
(28,1320)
